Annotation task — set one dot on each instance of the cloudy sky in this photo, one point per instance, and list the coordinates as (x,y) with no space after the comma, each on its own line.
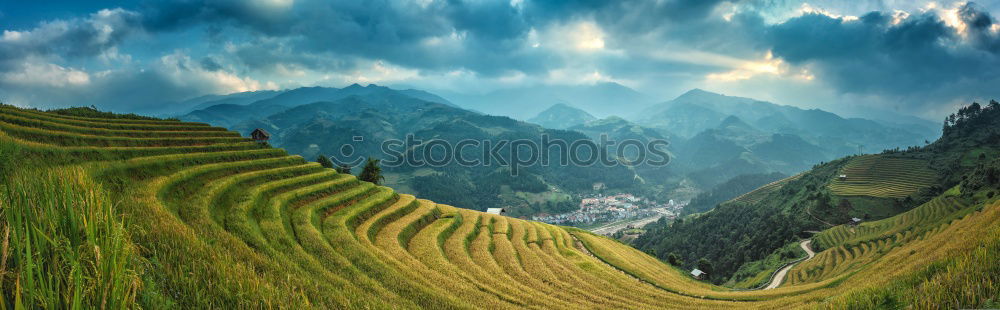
(916,57)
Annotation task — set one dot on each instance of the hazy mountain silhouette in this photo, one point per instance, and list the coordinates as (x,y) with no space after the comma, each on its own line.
(561,116)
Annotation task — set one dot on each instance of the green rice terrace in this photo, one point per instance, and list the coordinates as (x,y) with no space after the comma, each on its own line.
(128,212)
(882,176)
(761,193)
(853,246)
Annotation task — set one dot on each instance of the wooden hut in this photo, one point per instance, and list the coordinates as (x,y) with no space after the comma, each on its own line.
(497,211)
(260,135)
(698,274)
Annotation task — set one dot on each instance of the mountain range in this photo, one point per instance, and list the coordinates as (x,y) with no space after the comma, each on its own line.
(599,99)
(241,107)
(127,211)
(324,121)
(921,186)
(699,110)
(561,116)
(712,137)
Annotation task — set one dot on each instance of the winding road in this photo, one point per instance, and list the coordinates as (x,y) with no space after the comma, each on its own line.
(780,276)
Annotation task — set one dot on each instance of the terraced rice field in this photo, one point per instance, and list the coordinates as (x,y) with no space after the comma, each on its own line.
(760,193)
(935,212)
(850,247)
(222,222)
(883,176)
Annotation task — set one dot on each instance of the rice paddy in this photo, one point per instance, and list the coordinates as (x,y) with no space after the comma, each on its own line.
(882,176)
(761,193)
(184,215)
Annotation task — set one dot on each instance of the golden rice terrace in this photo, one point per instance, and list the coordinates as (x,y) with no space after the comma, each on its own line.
(214,220)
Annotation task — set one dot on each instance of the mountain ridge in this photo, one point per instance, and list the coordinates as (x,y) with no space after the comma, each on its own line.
(187,215)
(561,116)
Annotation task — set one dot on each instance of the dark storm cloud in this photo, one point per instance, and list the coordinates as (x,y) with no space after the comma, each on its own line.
(650,12)
(493,20)
(490,36)
(75,38)
(388,30)
(979,23)
(175,15)
(486,37)
(872,55)
(210,64)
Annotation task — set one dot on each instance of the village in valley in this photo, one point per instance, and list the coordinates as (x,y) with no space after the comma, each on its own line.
(624,208)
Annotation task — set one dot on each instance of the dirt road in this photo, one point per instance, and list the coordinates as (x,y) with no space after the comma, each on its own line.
(780,276)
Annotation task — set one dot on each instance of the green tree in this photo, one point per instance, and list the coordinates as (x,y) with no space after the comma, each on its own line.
(324,161)
(344,168)
(705,265)
(674,259)
(372,172)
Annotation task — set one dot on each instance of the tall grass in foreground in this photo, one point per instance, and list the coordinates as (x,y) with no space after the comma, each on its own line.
(969,280)
(63,247)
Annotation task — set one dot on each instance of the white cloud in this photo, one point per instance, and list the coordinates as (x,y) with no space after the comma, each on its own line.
(767,66)
(806,8)
(948,13)
(33,73)
(112,56)
(674,53)
(588,36)
(280,4)
(899,16)
(11,36)
(184,72)
(383,72)
(80,38)
(369,72)
(423,3)
(576,37)
(577,76)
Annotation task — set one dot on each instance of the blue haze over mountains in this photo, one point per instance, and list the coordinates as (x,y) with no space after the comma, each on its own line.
(713,137)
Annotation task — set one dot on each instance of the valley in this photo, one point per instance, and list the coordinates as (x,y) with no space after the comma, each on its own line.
(499,154)
(260,222)
(360,119)
(640,222)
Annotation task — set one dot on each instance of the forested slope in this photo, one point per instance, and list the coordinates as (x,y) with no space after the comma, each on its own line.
(876,186)
(122,212)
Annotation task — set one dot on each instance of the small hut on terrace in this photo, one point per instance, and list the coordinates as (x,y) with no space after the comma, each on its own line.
(260,135)
(497,211)
(697,274)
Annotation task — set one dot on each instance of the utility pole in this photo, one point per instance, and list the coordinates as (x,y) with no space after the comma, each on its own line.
(860,147)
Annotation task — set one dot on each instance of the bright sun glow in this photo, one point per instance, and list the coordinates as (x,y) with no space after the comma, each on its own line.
(587,36)
(951,18)
(748,69)
(809,9)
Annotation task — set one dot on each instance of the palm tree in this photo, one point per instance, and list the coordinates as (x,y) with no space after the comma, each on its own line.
(372,172)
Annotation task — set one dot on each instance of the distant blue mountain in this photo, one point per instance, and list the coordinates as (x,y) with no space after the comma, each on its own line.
(562,116)
(229,110)
(697,110)
(600,100)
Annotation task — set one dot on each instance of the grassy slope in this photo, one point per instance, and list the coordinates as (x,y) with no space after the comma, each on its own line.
(882,176)
(94,218)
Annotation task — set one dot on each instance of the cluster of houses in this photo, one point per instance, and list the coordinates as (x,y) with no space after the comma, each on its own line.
(619,200)
(601,208)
